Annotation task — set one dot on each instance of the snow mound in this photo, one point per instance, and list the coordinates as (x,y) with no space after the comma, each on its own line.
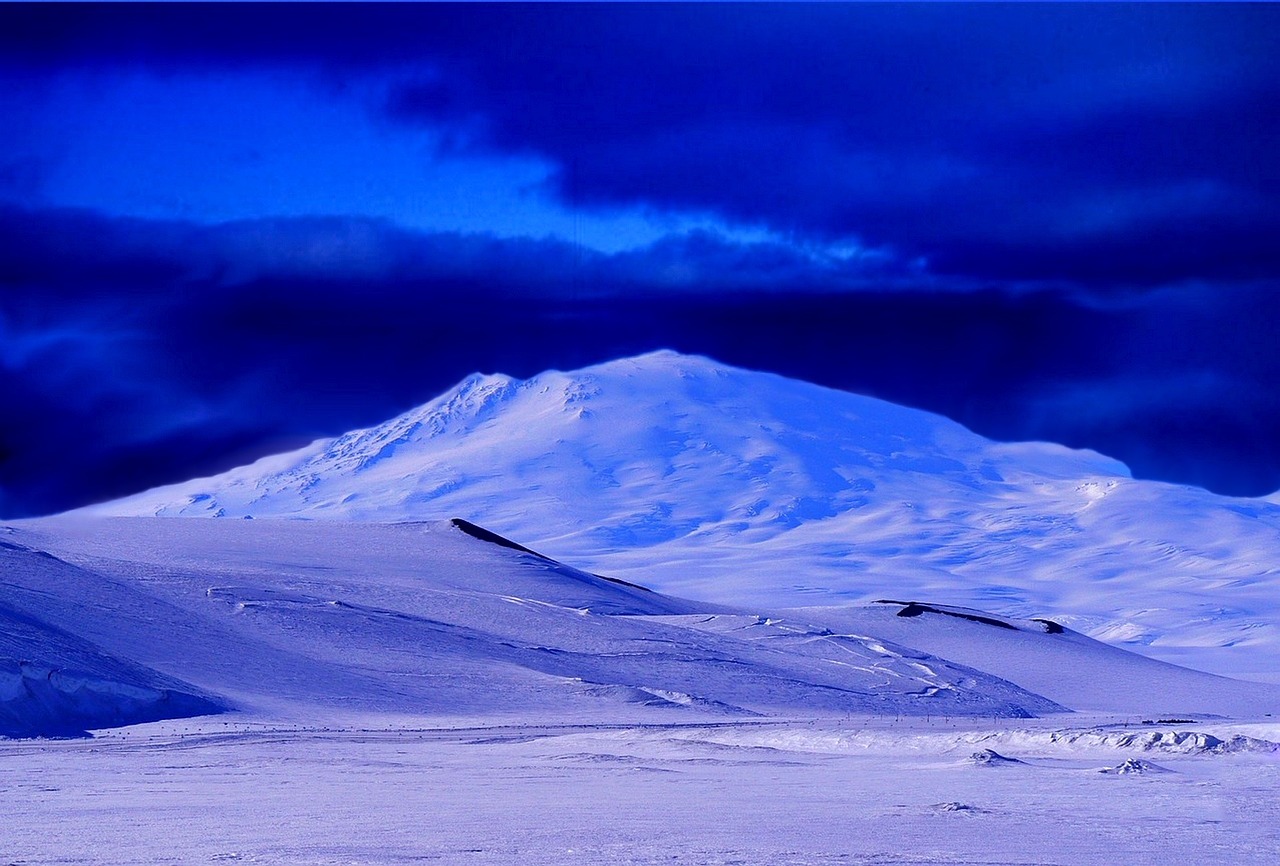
(1180,743)
(956,806)
(41,701)
(916,608)
(1134,767)
(991,758)
(576,588)
(303,620)
(1054,661)
(300,619)
(1191,743)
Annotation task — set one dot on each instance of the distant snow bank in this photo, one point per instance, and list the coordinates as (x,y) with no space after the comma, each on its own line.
(1041,741)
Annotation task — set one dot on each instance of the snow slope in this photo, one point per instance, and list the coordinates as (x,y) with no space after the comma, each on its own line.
(349,621)
(1051,660)
(748,488)
(398,693)
(295,620)
(52,680)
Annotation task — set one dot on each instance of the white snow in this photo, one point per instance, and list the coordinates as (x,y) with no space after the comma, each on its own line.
(390,685)
(236,792)
(402,693)
(353,621)
(747,488)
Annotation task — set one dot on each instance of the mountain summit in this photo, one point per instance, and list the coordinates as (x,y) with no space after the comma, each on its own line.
(744,487)
(634,451)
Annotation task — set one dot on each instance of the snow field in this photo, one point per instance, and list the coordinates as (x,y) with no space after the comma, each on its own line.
(741,793)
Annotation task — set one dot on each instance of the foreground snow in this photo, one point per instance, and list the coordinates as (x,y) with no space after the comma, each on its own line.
(754,793)
(397,693)
(746,488)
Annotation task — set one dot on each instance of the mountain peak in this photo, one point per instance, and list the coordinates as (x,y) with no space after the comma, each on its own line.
(630,452)
(659,360)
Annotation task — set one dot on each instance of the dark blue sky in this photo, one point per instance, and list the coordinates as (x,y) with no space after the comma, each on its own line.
(227,230)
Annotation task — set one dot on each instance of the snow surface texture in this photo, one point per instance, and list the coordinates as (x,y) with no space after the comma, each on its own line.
(55,683)
(401,693)
(295,618)
(747,488)
(747,793)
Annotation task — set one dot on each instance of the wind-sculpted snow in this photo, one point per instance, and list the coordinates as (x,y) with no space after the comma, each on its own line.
(298,619)
(41,701)
(1059,663)
(1133,767)
(55,683)
(995,747)
(703,480)
(294,619)
(753,792)
(491,705)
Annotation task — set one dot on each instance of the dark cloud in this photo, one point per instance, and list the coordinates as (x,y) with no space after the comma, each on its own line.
(1045,220)
(21,178)
(140,352)
(1109,145)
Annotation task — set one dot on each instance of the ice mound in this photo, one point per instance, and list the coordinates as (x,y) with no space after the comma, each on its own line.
(1133,767)
(956,806)
(992,758)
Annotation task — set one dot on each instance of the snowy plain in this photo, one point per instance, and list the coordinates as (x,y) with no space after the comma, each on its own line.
(638,794)
(873,642)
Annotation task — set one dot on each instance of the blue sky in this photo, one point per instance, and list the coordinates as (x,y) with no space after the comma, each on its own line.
(231,146)
(224,230)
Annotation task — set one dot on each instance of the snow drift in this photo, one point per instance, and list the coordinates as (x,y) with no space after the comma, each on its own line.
(359,623)
(54,682)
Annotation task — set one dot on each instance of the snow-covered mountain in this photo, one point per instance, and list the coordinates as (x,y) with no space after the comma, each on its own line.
(748,488)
